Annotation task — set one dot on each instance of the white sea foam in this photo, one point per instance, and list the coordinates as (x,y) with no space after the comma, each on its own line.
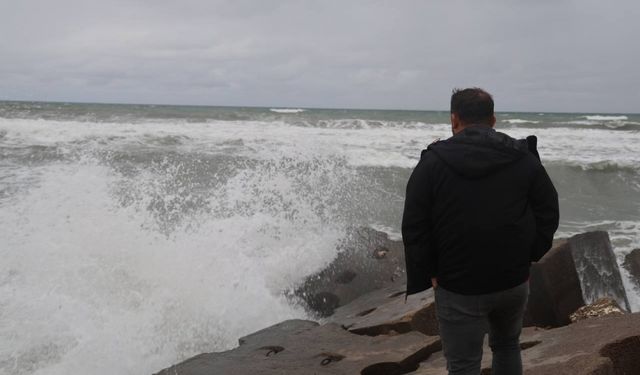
(89,286)
(612,124)
(605,118)
(521,121)
(380,146)
(287,110)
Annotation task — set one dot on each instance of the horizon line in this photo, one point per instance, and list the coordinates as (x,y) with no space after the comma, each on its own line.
(298,107)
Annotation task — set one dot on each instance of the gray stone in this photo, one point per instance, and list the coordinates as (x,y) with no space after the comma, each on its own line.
(303,347)
(368,260)
(597,268)
(387,311)
(555,290)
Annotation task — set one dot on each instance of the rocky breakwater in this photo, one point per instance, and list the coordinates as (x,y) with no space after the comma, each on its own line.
(368,327)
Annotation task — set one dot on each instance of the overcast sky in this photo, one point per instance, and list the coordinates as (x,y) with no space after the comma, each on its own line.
(533,55)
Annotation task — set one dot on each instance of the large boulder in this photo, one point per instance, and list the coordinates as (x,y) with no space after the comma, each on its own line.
(555,290)
(575,272)
(303,347)
(598,268)
(367,260)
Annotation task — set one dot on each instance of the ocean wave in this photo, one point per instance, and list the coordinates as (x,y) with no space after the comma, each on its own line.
(520,121)
(366,124)
(287,110)
(600,165)
(606,118)
(592,124)
(361,142)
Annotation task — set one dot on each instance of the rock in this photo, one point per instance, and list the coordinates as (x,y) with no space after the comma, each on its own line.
(555,290)
(574,272)
(602,307)
(601,346)
(368,260)
(303,347)
(597,268)
(632,265)
(386,311)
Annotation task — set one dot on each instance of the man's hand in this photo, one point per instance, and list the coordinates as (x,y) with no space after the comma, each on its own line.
(434,281)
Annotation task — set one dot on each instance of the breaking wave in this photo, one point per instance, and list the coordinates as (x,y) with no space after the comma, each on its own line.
(129,268)
(287,110)
(520,121)
(605,118)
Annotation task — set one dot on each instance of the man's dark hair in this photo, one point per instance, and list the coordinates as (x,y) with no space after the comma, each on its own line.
(472,105)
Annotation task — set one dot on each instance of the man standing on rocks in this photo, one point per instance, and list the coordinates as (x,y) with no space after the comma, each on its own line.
(479,208)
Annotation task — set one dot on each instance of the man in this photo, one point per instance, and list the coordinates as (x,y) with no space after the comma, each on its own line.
(479,208)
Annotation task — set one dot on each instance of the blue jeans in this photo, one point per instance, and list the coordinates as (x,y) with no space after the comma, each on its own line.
(464,320)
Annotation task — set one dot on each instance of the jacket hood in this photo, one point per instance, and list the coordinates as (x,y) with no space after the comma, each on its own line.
(478,151)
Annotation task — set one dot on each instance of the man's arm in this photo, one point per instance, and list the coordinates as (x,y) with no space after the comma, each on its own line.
(544,203)
(416,225)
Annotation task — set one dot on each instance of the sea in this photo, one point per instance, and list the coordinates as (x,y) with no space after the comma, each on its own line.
(135,236)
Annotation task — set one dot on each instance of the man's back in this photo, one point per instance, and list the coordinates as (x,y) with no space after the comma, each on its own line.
(481,186)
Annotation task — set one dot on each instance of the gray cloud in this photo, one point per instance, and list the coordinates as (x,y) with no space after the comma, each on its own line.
(533,55)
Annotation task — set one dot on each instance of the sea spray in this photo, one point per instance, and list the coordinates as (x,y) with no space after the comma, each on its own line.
(98,283)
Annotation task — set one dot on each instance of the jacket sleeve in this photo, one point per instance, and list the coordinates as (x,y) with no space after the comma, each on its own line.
(416,226)
(544,204)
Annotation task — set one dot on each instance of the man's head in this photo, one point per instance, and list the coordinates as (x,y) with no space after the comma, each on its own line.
(472,106)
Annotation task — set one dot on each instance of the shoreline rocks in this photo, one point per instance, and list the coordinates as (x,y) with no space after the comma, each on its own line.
(304,347)
(370,328)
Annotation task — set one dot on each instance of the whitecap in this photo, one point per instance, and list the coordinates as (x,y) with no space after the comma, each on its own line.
(521,121)
(605,118)
(287,110)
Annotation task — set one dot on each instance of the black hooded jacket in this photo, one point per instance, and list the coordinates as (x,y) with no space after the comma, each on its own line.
(479,208)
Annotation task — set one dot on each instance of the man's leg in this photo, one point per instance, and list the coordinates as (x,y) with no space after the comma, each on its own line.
(462,330)
(505,325)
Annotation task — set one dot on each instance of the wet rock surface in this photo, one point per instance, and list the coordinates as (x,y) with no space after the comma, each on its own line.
(597,268)
(387,311)
(304,347)
(632,265)
(368,260)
